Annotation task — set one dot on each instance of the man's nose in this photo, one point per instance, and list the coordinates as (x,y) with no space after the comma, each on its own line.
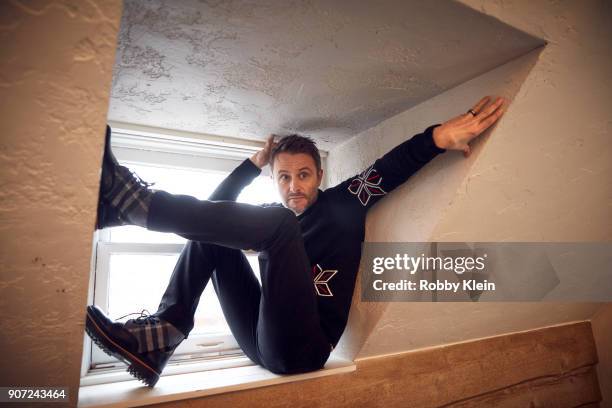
(295,186)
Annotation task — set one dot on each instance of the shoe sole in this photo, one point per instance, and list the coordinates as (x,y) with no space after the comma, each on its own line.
(105,217)
(101,213)
(136,367)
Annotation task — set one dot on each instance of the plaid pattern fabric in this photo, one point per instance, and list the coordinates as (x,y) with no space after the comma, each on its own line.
(129,195)
(153,334)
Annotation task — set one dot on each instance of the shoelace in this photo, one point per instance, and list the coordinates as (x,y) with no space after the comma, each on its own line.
(143,318)
(135,177)
(139,180)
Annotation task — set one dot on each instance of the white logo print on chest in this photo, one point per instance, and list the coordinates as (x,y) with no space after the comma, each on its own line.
(321,278)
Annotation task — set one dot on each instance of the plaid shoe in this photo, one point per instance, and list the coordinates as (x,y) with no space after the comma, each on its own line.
(145,344)
(123,197)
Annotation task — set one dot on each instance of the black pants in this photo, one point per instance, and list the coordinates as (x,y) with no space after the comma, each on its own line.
(276,324)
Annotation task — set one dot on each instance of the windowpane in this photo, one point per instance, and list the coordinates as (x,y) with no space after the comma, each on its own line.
(138,281)
(260,191)
(131,233)
(209,315)
(193,182)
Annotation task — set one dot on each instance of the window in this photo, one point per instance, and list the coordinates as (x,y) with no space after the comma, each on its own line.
(132,266)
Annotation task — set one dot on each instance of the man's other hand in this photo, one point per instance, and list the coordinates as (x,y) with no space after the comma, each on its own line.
(456,133)
(262,157)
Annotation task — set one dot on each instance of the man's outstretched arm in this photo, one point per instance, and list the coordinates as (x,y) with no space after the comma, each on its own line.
(385,174)
(396,166)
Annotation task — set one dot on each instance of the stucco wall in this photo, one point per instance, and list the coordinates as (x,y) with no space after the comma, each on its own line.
(542,173)
(534,176)
(56,60)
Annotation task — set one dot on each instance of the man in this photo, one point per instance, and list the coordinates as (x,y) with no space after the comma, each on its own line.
(309,256)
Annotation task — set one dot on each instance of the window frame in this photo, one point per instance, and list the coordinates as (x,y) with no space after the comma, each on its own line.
(159,148)
(136,144)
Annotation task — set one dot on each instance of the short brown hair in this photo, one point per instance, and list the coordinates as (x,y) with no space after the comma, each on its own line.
(297,144)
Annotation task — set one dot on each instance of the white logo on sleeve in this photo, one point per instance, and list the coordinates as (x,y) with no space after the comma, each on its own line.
(366,185)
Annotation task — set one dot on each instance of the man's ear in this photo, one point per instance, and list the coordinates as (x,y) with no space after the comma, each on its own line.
(320,176)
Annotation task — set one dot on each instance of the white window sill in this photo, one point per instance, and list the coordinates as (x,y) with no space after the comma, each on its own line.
(195,385)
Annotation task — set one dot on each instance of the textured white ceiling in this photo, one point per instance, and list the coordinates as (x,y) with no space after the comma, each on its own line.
(328,69)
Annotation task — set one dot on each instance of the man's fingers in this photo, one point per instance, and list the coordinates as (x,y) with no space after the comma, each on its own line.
(482,126)
(467,117)
(476,108)
(489,109)
(270,141)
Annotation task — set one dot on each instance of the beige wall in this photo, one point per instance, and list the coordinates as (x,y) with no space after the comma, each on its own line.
(56,60)
(543,173)
(533,176)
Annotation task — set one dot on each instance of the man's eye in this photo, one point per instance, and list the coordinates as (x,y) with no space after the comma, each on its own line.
(303,175)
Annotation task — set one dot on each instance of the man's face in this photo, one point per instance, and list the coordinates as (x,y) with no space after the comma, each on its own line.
(297,180)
